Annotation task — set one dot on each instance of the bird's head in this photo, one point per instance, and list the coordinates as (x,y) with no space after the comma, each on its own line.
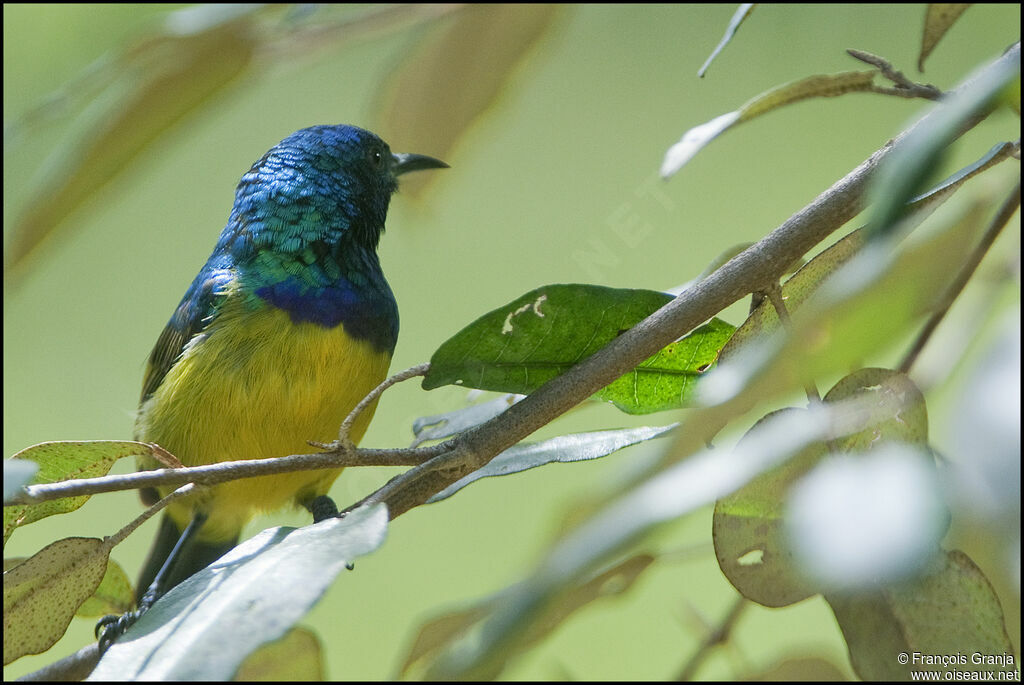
(323,183)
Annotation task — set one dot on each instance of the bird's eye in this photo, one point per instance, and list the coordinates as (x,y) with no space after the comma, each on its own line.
(376,157)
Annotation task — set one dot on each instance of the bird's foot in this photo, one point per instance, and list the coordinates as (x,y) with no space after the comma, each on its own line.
(111,627)
(339,445)
(322,508)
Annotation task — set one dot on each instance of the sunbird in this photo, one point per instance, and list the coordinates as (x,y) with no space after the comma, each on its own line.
(288,325)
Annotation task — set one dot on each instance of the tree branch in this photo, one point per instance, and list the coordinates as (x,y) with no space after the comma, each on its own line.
(751,270)
(221,472)
(904,86)
(72,668)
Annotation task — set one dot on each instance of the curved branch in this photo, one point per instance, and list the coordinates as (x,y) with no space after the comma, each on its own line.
(751,270)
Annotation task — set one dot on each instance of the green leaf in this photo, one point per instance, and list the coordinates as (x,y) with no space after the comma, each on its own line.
(114,595)
(519,347)
(441,632)
(255,593)
(898,411)
(296,657)
(522,345)
(455,74)
(751,542)
(821,85)
(908,167)
(938,19)
(564,448)
(668,380)
(60,461)
(951,611)
(164,79)
(749,537)
(42,594)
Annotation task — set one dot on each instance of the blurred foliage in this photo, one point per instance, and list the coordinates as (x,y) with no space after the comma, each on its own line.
(448,69)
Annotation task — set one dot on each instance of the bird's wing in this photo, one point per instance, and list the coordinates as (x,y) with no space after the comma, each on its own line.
(195,312)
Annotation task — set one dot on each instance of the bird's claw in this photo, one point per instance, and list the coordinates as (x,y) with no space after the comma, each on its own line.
(322,508)
(340,445)
(113,626)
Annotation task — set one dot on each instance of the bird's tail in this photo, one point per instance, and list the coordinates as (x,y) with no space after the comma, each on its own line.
(195,556)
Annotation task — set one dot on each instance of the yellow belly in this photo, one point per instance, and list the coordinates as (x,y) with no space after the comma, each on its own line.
(257,385)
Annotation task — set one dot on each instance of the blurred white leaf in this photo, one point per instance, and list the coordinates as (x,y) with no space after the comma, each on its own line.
(564,448)
(17,473)
(986,431)
(863,520)
(454,422)
(255,594)
(693,140)
(821,85)
(742,12)
(680,489)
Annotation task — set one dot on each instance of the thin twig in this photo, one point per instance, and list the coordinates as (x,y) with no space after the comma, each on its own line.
(774,293)
(718,636)
(904,86)
(343,453)
(127,530)
(344,442)
(211,474)
(999,221)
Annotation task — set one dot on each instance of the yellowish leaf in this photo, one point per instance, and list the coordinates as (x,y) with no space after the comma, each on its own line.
(42,594)
(455,74)
(938,19)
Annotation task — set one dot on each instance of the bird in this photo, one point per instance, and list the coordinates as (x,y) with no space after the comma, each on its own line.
(287,326)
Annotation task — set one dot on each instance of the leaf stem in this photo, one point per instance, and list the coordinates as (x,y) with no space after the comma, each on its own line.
(718,636)
(346,425)
(904,86)
(999,221)
(774,293)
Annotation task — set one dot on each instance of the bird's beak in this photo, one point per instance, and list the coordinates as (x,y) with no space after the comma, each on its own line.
(404,162)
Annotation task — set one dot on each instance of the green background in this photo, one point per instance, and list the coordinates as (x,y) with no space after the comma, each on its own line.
(555,183)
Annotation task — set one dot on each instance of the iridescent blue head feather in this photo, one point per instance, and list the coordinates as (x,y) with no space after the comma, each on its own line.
(304,229)
(338,179)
